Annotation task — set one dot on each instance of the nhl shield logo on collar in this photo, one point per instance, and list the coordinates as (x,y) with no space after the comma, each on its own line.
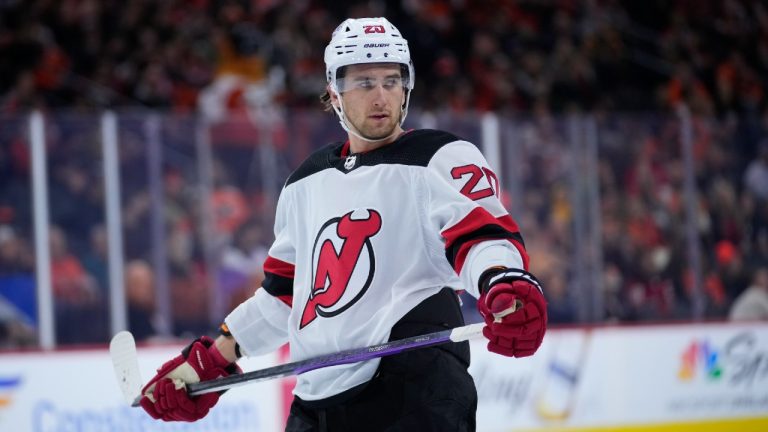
(350,162)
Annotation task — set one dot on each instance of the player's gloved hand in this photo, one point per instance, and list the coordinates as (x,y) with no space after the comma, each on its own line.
(518,333)
(165,396)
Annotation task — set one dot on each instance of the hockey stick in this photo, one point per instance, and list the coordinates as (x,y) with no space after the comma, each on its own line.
(355,355)
(124,358)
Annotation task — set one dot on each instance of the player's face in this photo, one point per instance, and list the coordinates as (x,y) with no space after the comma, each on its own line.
(372,97)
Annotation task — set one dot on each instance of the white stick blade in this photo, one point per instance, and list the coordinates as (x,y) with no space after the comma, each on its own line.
(125,360)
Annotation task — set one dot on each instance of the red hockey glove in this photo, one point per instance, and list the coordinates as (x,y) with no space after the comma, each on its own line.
(165,396)
(519,333)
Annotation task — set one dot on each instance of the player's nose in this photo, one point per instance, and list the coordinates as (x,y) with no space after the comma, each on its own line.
(379,96)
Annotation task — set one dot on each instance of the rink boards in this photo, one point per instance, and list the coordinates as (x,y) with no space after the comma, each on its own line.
(660,378)
(709,377)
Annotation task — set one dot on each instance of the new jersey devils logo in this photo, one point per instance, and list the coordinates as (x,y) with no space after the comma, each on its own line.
(341,278)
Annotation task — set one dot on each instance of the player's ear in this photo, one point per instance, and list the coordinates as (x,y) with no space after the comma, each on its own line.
(334,96)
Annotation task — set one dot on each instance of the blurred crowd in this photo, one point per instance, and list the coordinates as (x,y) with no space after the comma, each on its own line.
(628,64)
(649,217)
(500,55)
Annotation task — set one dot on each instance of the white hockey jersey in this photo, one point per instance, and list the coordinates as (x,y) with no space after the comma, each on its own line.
(362,239)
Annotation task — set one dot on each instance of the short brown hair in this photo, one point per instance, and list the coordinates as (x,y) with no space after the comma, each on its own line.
(325,99)
(325,96)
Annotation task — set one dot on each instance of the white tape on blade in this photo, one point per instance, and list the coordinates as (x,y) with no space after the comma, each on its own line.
(467,332)
(122,349)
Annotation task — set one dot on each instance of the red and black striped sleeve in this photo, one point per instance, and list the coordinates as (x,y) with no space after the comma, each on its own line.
(478,226)
(278,279)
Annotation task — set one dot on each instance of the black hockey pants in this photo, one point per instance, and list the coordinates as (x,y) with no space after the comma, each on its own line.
(424,390)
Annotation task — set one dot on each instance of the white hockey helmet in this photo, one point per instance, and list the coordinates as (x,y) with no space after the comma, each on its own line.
(366,40)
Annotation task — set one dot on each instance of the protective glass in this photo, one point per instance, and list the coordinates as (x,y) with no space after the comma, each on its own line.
(366,83)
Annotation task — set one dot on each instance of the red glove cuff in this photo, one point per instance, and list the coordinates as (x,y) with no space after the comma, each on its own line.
(218,358)
(494,276)
(521,332)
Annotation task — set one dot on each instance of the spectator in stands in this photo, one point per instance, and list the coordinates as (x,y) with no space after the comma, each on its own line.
(191,298)
(731,268)
(240,272)
(17,285)
(74,201)
(96,257)
(228,204)
(79,312)
(756,176)
(15,330)
(15,256)
(140,293)
(71,284)
(752,304)
(561,308)
(244,81)
(136,223)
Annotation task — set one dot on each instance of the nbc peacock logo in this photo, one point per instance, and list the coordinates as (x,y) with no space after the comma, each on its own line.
(8,386)
(700,358)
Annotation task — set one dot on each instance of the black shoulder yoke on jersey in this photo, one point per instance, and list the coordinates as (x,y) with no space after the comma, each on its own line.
(412,148)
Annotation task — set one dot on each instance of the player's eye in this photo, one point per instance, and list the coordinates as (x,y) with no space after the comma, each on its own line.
(365,83)
(392,82)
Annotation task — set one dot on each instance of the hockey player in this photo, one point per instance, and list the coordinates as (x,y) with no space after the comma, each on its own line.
(373,237)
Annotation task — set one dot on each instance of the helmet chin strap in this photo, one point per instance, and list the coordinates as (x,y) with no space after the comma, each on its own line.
(351,128)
